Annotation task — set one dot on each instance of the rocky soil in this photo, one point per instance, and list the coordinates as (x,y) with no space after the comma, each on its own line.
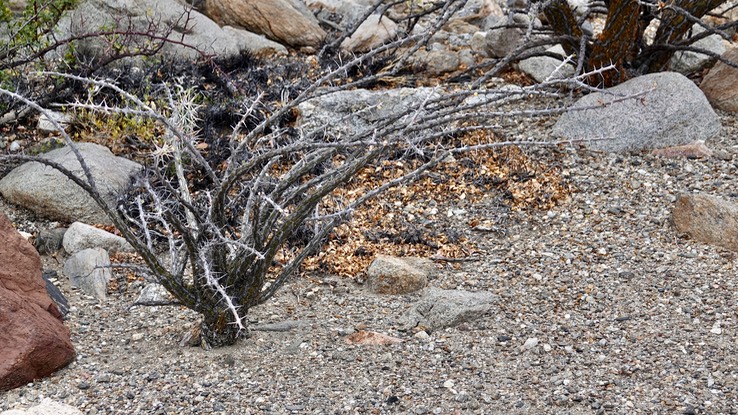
(602,309)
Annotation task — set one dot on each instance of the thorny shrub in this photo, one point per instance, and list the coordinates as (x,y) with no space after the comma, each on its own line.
(236,194)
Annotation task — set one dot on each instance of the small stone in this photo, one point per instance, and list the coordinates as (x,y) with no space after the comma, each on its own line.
(422,334)
(546,347)
(137,337)
(530,343)
(104,378)
(229,360)
(83,385)
(716,329)
(47,118)
(449,384)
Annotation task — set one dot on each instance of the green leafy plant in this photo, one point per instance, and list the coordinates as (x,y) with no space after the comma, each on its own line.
(30,32)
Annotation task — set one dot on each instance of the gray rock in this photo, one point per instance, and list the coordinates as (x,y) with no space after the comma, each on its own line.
(154,293)
(49,241)
(256,44)
(281,326)
(440,61)
(439,308)
(89,270)
(393,275)
(194,32)
(46,125)
(501,40)
(49,193)
(81,236)
(477,11)
(46,407)
(541,68)
(55,293)
(349,11)
(687,62)
(375,31)
(352,112)
(672,111)
(479,44)
(707,219)
(719,84)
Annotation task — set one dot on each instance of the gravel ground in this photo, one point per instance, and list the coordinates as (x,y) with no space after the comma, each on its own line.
(629,318)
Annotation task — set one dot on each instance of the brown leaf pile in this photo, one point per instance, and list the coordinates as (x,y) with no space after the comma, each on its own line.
(409,220)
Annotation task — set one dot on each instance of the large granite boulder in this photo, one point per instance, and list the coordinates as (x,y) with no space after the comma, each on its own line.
(652,111)
(286,21)
(49,193)
(192,34)
(34,342)
(360,110)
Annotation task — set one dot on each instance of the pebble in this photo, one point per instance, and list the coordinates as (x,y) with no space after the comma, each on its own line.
(530,343)
(422,334)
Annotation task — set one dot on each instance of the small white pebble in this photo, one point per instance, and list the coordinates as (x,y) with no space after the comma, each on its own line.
(530,343)
(137,337)
(449,384)
(422,335)
(546,347)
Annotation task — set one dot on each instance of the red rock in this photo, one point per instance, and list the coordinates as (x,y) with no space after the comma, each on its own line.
(371,337)
(34,341)
(707,219)
(720,86)
(284,21)
(695,150)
